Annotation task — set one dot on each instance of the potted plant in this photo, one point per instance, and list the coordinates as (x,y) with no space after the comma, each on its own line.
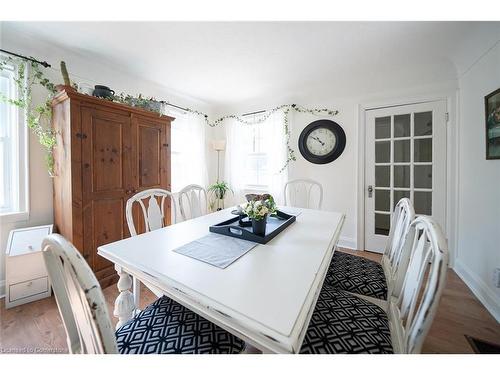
(218,193)
(258,211)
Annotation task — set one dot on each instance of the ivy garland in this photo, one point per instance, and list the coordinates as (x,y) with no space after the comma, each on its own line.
(286,108)
(153,105)
(38,117)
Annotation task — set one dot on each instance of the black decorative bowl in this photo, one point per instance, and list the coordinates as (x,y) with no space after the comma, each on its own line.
(103,91)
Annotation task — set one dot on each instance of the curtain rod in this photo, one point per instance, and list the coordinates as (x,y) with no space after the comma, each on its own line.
(47,65)
(43,63)
(186,109)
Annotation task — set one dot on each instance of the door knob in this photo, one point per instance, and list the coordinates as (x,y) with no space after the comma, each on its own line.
(370,191)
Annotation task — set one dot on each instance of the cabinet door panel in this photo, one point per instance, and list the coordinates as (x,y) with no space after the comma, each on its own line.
(107,148)
(107,227)
(108,179)
(149,155)
(106,154)
(153,153)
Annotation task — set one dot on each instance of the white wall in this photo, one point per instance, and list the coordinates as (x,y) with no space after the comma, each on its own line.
(81,69)
(340,178)
(476,210)
(479,185)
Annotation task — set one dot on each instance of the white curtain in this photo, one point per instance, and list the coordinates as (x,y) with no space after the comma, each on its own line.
(275,130)
(272,151)
(189,151)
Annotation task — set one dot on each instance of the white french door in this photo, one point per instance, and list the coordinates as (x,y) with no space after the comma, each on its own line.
(405,157)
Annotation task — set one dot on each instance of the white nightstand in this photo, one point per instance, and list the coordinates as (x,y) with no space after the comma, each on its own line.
(27,279)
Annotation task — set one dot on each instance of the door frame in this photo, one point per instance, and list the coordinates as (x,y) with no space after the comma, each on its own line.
(452,148)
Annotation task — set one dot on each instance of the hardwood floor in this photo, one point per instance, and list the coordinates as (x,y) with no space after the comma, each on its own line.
(37,328)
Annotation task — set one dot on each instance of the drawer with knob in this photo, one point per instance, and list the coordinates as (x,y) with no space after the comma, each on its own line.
(26,278)
(28,288)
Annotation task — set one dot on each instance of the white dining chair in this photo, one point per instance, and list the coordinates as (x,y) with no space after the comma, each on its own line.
(345,323)
(152,203)
(163,327)
(304,193)
(367,278)
(154,214)
(193,202)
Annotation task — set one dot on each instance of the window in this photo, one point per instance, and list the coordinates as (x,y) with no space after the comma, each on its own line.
(12,147)
(188,158)
(256,175)
(256,153)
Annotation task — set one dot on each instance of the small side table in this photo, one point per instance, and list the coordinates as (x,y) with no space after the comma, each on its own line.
(27,279)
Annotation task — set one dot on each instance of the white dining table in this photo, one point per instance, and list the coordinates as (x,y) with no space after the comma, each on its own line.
(266,297)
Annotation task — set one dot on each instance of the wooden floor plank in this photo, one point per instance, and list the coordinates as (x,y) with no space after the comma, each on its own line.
(37,328)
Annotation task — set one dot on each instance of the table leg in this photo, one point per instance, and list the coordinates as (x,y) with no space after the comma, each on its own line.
(124,304)
(136,290)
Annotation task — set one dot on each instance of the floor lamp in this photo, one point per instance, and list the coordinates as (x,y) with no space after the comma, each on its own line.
(219,145)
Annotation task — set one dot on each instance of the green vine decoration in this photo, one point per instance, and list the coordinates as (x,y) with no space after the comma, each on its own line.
(286,108)
(152,104)
(38,118)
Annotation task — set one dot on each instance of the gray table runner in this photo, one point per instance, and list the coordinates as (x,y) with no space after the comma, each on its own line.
(215,249)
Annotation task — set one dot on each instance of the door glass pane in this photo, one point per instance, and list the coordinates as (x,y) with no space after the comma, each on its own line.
(402,151)
(423,176)
(383,127)
(383,152)
(423,123)
(423,202)
(402,125)
(398,194)
(402,176)
(383,200)
(423,150)
(382,224)
(382,176)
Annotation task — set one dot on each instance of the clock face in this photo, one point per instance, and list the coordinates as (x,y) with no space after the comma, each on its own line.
(321,141)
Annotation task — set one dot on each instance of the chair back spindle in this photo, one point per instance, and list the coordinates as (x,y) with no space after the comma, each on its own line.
(154,213)
(193,202)
(413,306)
(79,298)
(392,259)
(305,193)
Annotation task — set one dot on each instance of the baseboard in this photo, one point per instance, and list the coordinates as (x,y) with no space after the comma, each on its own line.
(2,288)
(348,243)
(479,288)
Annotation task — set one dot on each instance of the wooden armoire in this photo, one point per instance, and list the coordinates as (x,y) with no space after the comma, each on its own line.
(105,153)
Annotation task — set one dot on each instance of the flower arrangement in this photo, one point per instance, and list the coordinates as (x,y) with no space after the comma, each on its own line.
(259,209)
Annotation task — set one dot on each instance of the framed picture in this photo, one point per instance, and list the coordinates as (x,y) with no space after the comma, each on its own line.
(492,111)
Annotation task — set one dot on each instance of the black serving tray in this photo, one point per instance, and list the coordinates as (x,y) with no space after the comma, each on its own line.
(275,224)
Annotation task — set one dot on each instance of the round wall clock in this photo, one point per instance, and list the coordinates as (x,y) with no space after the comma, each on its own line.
(322,141)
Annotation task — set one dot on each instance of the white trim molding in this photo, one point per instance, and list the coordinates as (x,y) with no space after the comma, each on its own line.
(479,288)
(348,243)
(432,94)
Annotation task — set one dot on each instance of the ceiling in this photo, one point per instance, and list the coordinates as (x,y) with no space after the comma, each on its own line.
(227,63)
